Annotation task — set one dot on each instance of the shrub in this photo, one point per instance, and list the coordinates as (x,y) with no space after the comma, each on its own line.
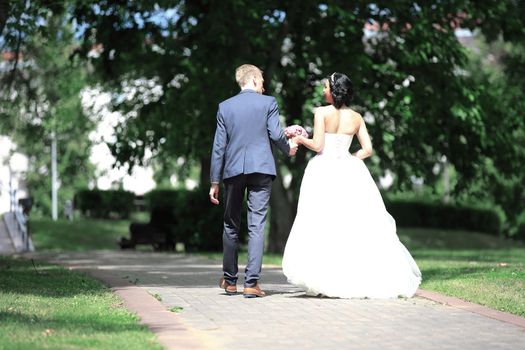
(520,228)
(197,222)
(412,213)
(104,204)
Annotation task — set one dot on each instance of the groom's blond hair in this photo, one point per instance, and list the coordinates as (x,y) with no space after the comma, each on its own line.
(244,73)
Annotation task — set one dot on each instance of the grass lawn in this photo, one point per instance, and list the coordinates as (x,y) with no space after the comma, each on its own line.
(52,308)
(475,267)
(77,235)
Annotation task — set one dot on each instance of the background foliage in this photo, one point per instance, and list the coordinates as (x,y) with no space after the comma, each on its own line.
(431,102)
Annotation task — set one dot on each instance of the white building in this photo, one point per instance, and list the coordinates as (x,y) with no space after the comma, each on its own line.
(13,166)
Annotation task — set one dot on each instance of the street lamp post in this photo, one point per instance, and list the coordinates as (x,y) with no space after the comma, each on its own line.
(446,179)
(54,177)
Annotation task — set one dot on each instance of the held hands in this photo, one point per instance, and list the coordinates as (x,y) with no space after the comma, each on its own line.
(297,140)
(294,133)
(294,144)
(214,193)
(293,147)
(295,130)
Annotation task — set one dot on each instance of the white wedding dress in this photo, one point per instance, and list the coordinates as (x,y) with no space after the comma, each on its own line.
(343,242)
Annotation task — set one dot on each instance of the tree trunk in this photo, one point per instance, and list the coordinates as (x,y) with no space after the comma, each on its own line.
(282,211)
(4,11)
(204,180)
(281,217)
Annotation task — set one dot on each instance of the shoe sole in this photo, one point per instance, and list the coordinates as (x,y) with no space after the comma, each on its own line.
(225,291)
(253,296)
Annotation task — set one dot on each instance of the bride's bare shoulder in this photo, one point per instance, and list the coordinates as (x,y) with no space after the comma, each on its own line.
(355,114)
(324,110)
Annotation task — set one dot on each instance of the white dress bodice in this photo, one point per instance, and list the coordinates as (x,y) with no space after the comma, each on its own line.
(336,145)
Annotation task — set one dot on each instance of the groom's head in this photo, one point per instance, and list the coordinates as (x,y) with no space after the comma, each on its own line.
(249,76)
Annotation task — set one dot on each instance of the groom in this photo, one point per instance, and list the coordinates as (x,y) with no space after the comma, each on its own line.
(242,157)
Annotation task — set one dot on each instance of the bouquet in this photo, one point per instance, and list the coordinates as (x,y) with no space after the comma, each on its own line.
(295,130)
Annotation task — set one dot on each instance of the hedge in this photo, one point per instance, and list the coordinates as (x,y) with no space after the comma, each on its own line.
(520,228)
(104,204)
(410,213)
(197,223)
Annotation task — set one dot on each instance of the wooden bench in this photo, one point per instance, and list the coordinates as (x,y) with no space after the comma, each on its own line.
(159,232)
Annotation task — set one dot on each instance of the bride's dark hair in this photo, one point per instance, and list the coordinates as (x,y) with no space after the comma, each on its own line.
(341,88)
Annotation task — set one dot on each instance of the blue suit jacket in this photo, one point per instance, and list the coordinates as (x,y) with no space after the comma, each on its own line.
(245,125)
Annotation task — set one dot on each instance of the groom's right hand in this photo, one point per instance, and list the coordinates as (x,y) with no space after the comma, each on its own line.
(214,193)
(293,148)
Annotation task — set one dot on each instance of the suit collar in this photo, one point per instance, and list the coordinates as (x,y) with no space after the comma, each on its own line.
(246,91)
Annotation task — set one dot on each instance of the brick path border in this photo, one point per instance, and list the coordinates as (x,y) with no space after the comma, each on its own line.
(472,307)
(167,327)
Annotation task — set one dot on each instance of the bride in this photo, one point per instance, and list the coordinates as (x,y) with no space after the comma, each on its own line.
(343,242)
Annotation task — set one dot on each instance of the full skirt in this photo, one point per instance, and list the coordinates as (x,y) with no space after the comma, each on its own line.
(343,242)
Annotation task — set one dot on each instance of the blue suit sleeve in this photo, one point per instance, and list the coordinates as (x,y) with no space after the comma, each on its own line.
(219,148)
(275,131)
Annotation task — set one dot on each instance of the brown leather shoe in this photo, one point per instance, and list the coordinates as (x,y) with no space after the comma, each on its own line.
(253,292)
(229,289)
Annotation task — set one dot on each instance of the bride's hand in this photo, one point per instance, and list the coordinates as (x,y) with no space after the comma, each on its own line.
(297,140)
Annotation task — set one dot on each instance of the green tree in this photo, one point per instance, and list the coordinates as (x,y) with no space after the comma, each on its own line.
(41,96)
(409,72)
(497,70)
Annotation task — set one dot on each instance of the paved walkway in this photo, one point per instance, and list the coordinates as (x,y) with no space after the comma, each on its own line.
(286,318)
